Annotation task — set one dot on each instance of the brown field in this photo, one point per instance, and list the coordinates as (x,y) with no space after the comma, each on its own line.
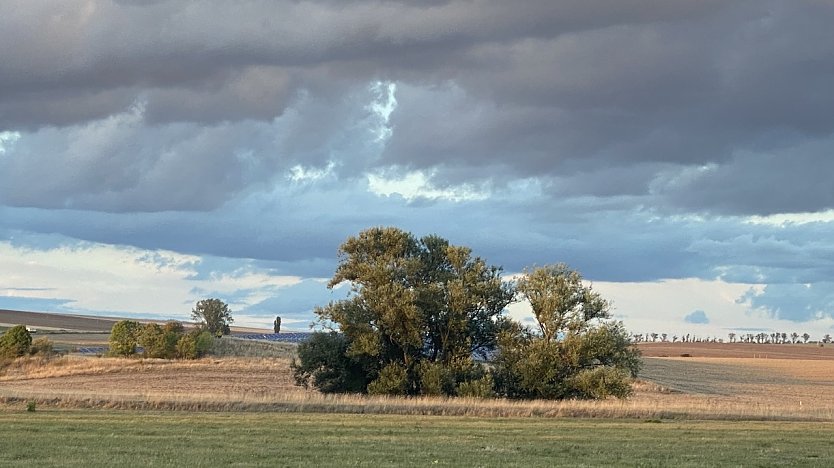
(43,321)
(678,388)
(718,381)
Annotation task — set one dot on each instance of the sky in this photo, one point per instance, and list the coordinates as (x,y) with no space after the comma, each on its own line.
(679,154)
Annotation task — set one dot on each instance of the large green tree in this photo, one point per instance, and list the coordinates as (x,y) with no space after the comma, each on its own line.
(419,307)
(213,315)
(575,350)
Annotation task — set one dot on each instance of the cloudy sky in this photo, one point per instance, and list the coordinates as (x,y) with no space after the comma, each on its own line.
(678,153)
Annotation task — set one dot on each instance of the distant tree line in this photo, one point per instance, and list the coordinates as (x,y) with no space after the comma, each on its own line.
(169,341)
(759,338)
(423,315)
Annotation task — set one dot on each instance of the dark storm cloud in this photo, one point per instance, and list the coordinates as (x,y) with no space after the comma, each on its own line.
(488,91)
(629,138)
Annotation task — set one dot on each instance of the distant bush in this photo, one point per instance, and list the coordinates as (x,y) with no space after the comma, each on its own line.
(435,378)
(15,342)
(194,344)
(602,382)
(392,380)
(42,347)
(161,341)
(324,364)
(479,388)
(124,337)
(187,347)
(167,341)
(30,406)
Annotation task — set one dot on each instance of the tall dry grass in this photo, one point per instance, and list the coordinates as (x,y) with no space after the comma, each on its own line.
(265,385)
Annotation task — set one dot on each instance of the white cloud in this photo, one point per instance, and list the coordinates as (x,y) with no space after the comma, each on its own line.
(417,184)
(99,278)
(7,139)
(662,306)
(784,219)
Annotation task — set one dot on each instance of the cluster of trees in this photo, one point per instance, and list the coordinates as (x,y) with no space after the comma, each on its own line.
(171,340)
(422,313)
(167,341)
(760,338)
(17,342)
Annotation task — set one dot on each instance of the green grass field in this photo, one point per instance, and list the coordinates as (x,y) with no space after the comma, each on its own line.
(133,438)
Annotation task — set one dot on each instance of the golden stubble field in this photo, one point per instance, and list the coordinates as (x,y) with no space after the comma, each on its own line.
(669,387)
(714,381)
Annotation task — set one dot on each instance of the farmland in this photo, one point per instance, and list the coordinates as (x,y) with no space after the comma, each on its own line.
(732,404)
(142,438)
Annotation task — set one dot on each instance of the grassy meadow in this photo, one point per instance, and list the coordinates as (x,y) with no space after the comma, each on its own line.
(718,406)
(141,438)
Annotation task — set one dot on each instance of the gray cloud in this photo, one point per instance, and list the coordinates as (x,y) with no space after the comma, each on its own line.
(629,138)
(565,91)
(795,302)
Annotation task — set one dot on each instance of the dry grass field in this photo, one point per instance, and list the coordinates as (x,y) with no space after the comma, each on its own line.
(717,381)
(670,388)
(738,350)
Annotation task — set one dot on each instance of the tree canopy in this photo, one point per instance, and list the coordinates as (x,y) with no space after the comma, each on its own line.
(421,310)
(213,315)
(576,352)
(416,302)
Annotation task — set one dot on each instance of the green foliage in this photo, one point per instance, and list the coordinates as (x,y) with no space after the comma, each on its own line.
(15,342)
(435,378)
(392,380)
(575,354)
(204,341)
(416,301)
(124,337)
(213,315)
(187,347)
(601,382)
(323,363)
(478,388)
(419,309)
(174,327)
(161,341)
(31,406)
(194,344)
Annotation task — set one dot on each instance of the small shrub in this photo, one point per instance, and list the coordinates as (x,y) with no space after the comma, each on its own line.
(323,363)
(152,339)
(30,406)
(42,346)
(203,342)
(479,388)
(602,382)
(16,341)
(435,379)
(187,347)
(392,380)
(195,344)
(124,337)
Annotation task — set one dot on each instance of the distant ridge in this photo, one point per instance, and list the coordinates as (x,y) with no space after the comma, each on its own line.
(56,321)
